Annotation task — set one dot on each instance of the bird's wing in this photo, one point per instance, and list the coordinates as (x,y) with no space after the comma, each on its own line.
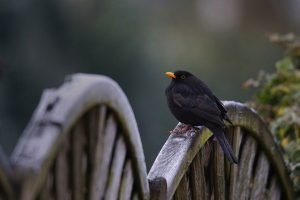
(223,110)
(199,105)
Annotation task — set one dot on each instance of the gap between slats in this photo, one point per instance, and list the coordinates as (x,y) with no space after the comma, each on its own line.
(126,185)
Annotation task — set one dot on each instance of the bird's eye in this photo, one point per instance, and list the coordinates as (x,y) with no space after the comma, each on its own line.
(182,76)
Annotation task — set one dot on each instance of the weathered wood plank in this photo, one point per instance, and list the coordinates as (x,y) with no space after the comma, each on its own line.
(93,120)
(31,152)
(182,192)
(243,182)
(158,188)
(77,145)
(104,151)
(96,124)
(236,146)
(175,158)
(126,182)
(38,137)
(218,172)
(197,178)
(275,189)
(116,169)
(62,173)
(260,178)
(230,135)
(47,192)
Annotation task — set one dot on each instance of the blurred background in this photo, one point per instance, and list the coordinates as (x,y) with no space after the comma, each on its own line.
(224,42)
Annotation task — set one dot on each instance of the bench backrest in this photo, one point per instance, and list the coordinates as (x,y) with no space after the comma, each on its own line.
(194,167)
(82,143)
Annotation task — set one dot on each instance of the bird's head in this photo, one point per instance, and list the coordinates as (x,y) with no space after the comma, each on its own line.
(179,75)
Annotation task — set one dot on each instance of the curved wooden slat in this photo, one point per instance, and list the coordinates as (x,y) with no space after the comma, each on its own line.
(236,143)
(116,170)
(274,192)
(62,175)
(260,178)
(78,162)
(105,146)
(248,133)
(127,182)
(59,110)
(244,172)
(218,172)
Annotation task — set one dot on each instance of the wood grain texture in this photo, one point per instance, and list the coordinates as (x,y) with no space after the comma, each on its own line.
(218,172)
(198,183)
(244,173)
(236,145)
(260,178)
(100,177)
(97,136)
(158,188)
(116,169)
(182,192)
(175,157)
(95,120)
(126,182)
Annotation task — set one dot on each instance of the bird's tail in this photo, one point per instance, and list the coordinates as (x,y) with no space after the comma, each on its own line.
(219,134)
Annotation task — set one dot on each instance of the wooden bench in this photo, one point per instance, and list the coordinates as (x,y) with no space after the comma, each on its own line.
(83,143)
(195,168)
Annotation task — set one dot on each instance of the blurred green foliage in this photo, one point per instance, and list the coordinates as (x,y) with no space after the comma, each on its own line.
(278,101)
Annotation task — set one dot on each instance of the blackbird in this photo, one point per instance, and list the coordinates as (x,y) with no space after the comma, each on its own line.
(193,103)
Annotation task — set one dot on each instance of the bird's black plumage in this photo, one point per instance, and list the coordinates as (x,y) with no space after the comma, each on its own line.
(193,103)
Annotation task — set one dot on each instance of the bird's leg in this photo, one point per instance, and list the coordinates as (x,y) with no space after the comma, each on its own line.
(181,129)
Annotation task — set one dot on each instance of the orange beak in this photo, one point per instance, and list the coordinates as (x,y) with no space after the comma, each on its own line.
(171,75)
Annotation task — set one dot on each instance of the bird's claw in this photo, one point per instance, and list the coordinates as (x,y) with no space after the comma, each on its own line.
(183,130)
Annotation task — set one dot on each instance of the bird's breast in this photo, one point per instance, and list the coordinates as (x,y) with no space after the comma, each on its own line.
(181,113)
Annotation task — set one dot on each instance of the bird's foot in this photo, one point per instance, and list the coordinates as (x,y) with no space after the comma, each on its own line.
(183,130)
